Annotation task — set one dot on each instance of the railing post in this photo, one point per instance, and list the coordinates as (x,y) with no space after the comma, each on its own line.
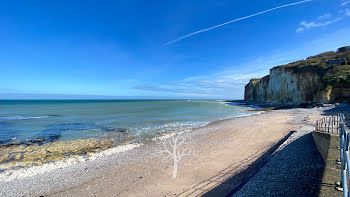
(344,155)
(347,162)
(344,162)
(341,160)
(333,122)
(338,124)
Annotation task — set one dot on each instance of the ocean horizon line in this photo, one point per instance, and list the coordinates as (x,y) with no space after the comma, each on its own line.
(119,99)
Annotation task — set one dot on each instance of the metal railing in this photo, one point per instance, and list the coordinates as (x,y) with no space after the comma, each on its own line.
(336,125)
(329,124)
(344,156)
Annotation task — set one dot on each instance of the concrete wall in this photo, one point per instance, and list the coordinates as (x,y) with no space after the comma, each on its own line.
(322,142)
(327,146)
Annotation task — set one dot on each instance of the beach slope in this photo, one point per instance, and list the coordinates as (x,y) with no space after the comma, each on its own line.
(225,152)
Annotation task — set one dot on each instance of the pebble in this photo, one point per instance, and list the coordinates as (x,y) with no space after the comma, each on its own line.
(296,167)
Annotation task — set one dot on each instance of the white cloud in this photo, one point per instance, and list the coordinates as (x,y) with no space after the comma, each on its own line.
(304,25)
(226,84)
(345,3)
(313,24)
(300,29)
(6,90)
(211,85)
(325,19)
(325,16)
(346,11)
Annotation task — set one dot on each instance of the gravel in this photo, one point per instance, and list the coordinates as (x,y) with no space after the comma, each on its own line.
(295,169)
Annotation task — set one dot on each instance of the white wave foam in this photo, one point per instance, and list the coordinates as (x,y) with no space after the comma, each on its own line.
(22,117)
(163,137)
(170,127)
(114,150)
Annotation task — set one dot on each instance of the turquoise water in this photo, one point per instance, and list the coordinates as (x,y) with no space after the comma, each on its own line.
(65,120)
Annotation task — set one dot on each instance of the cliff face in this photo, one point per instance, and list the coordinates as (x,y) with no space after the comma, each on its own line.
(285,86)
(300,82)
(256,89)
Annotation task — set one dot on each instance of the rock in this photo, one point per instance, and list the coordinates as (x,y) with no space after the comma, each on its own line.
(118,130)
(32,153)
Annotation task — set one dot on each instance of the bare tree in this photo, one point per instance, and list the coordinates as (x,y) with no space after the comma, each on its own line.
(175,150)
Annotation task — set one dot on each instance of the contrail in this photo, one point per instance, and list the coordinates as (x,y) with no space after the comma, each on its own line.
(238,19)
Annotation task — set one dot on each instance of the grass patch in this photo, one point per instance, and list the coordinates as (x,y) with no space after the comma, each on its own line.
(255,81)
(337,75)
(319,61)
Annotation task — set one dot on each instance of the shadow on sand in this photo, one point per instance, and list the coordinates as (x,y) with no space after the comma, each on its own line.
(296,170)
(301,178)
(233,176)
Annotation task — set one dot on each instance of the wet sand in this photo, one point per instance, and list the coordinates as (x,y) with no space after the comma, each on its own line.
(226,152)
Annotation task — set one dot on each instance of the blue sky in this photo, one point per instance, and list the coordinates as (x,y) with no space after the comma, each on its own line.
(116,48)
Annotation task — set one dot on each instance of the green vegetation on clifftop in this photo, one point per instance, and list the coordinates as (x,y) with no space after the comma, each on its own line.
(255,81)
(332,75)
(337,75)
(323,78)
(319,61)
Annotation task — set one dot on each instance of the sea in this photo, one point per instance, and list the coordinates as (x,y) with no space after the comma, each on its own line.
(31,130)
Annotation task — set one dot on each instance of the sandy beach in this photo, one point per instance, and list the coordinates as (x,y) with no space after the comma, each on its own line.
(225,152)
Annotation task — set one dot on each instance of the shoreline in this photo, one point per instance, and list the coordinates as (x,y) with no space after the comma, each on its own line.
(58,152)
(205,139)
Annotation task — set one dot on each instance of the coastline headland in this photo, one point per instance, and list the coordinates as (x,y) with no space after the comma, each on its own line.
(323,78)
